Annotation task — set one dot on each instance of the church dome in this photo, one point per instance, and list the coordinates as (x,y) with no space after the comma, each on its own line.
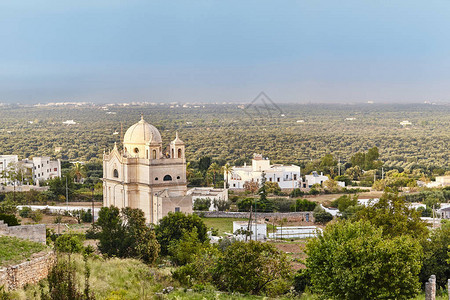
(142,133)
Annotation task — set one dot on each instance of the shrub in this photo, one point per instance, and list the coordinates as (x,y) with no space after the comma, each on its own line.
(182,251)
(25,212)
(296,193)
(11,220)
(321,216)
(302,279)
(250,267)
(69,243)
(36,215)
(202,204)
(303,205)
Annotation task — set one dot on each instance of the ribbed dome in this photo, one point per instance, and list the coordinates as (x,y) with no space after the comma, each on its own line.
(142,133)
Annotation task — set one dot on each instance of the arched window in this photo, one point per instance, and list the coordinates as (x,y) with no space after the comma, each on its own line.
(116,173)
(154,154)
(146,154)
(179,153)
(178,177)
(136,150)
(156,178)
(173,154)
(167,178)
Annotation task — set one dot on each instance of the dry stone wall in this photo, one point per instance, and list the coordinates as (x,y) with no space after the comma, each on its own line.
(290,216)
(28,272)
(35,233)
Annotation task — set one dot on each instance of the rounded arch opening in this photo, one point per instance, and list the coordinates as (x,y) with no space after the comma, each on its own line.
(167,178)
(116,173)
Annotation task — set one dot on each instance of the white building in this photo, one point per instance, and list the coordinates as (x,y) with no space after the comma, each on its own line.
(314,178)
(43,168)
(287,177)
(6,162)
(144,175)
(38,168)
(258,230)
(212,194)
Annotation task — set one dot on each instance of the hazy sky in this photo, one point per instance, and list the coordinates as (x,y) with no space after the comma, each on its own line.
(318,51)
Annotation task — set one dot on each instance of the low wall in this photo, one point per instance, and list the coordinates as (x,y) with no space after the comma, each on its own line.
(35,233)
(290,216)
(28,272)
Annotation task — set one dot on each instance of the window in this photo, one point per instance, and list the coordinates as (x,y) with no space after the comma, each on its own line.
(156,178)
(56,169)
(173,154)
(234,184)
(116,173)
(295,176)
(146,154)
(154,154)
(177,209)
(278,179)
(179,153)
(178,177)
(136,150)
(39,166)
(167,178)
(270,179)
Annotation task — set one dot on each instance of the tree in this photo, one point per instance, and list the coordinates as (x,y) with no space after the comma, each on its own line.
(214,171)
(435,256)
(183,251)
(394,216)
(251,186)
(227,170)
(321,216)
(355,261)
(172,227)
(139,240)
(111,231)
(69,243)
(344,201)
(251,267)
(78,171)
(202,204)
(273,188)
(126,235)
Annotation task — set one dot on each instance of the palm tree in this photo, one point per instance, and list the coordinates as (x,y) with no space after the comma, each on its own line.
(227,169)
(78,171)
(189,171)
(214,169)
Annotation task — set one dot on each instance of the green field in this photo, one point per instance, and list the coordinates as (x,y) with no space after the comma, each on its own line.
(222,224)
(226,224)
(14,250)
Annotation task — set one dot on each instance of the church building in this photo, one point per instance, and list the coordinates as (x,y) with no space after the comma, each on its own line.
(144,175)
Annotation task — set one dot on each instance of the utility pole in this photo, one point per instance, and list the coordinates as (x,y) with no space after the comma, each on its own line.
(67,196)
(92,206)
(339,166)
(256,225)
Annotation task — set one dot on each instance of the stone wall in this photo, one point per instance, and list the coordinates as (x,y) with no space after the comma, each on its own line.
(35,233)
(28,272)
(290,216)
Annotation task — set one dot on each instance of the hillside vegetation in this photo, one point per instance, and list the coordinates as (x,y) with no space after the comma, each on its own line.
(14,250)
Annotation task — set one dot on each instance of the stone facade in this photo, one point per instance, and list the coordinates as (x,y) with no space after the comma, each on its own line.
(144,175)
(28,272)
(35,233)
